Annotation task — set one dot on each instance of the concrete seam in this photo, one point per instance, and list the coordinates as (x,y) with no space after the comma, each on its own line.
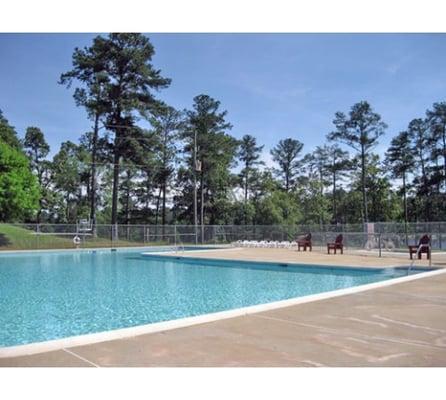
(392,340)
(81,358)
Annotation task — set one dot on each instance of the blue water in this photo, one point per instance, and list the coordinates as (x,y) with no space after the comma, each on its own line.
(52,295)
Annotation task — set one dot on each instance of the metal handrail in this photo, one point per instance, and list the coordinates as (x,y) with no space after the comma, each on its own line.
(420,247)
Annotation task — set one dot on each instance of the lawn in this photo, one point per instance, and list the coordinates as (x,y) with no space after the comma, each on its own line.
(18,238)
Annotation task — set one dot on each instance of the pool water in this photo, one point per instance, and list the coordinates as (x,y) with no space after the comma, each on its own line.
(50,295)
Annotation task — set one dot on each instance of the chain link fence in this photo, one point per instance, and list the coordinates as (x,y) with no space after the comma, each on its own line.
(376,238)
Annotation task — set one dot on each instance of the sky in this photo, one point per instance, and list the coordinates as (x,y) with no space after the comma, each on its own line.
(273,86)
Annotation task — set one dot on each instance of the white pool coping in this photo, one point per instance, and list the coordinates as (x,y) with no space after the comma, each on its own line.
(92,338)
(200,247)
(186,253)
(191,255)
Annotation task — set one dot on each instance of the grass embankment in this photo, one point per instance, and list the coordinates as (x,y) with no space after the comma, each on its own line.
(18,238)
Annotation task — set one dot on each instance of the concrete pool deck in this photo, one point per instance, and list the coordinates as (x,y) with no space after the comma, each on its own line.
(318,257)
(398,325)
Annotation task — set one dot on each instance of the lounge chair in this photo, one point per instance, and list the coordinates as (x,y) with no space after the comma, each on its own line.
(423,245)
(337,244)
(304,242)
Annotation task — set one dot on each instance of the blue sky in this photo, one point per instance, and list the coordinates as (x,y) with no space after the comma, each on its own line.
(273,85)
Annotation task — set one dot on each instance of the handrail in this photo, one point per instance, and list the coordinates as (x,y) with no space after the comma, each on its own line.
(420,247)
(175,241)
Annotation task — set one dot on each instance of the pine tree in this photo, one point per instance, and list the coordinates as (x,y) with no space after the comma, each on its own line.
(249,154)
(436,118)
(286,155)
(360,130)
(127,79)
(338,166)
(37,149)
(210,153)
(400,159)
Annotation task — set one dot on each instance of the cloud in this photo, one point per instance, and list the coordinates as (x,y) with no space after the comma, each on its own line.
(392,69)
(267,158)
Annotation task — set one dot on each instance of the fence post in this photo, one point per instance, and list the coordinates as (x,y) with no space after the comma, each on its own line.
(379,243)
(175,235)
(430,251)
(115,233)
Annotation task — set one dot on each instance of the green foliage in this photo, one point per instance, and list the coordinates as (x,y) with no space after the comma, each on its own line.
(117,80)
(338,166)
(67,168)
(315,204)
(8,134)
(249,154)
(37,149)
(400,159)
(286,154)
(127,173)
(279,208)
(360,130)
(436,119)
(19,192)
(215,154)
(383,202)
(418,134)
(167,130)
(400,155)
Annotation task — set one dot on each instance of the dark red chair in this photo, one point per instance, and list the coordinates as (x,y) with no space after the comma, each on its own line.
(337,244)
(304,242)
(425,243)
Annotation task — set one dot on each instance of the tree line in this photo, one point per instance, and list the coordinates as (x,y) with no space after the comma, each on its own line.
(182,168)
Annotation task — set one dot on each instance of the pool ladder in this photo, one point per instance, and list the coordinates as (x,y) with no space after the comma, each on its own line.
(421,246)
(178,245)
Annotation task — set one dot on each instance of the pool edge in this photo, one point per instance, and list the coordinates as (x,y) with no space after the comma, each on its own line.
(175,256)
(92,338)
(110,248)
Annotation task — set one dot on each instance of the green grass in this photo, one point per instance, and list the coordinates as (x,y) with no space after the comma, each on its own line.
(18,238)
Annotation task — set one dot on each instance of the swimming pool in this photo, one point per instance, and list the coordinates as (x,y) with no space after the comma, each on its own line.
(51,295)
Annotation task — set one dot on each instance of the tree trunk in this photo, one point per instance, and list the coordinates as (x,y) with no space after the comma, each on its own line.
(116,158)
(426,202)
(423,169)
(335,211)
(246,193)
(202,205)
(39,178)
(195,187)
(163,216)
(157,206)
(444,156)
(67,209)
(39,211)
(127,205)
(364,194)
(405,207)
(93,175)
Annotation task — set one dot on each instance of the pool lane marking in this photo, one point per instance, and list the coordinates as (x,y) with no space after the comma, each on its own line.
(81,358)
